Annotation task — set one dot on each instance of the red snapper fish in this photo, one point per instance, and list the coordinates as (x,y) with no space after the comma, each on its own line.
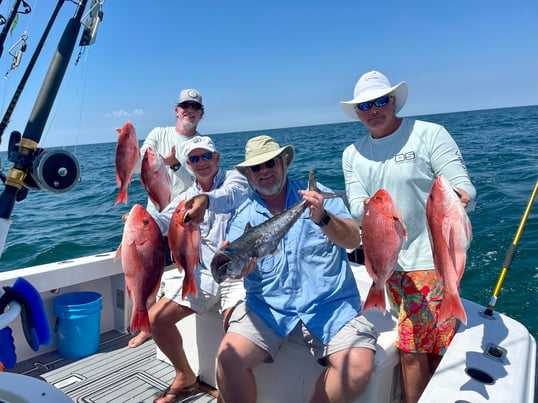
(155,178)
(142,259)
(450,236)
(383,232)
(184,239)
(127,155)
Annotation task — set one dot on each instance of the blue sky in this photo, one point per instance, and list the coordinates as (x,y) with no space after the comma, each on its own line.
(273,64)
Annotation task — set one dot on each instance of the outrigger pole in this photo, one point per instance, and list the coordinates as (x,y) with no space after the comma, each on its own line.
(10,19)
(510,254)
(9,111)
(23,152)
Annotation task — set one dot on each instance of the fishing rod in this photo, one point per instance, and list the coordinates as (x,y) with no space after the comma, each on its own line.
(36,168)
(510,254)
(9,111)
(9,21)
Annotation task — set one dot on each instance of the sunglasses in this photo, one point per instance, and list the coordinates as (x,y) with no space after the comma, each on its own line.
(268,164)
(379,102)
(194,105)
(193,159)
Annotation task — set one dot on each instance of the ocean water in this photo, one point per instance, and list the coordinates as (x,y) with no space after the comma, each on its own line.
(500,148)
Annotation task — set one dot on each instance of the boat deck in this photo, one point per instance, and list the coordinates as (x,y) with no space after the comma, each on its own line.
(115,373)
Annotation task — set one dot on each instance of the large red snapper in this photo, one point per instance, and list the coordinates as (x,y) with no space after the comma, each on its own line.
(450,236)
(155,178)
(127,155)
(142,259)
(383,232)
(184,239)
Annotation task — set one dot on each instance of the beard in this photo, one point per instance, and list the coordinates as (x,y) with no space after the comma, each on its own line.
(188,125)
(272,190)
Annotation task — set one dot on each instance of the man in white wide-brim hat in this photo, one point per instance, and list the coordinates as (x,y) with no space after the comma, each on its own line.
(305,293)
(404,156)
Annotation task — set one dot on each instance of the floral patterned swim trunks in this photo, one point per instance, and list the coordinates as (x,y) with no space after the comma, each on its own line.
(416,296)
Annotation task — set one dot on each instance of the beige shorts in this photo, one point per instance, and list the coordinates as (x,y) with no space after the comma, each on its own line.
(229,294)
(358,332)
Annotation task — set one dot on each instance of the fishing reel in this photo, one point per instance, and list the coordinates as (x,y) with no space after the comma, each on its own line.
(55,171)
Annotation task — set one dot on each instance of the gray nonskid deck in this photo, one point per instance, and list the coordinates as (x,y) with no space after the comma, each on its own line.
(115,373)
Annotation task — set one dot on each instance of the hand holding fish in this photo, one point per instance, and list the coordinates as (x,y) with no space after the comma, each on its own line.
(464,197)
(196,207)
(315,203)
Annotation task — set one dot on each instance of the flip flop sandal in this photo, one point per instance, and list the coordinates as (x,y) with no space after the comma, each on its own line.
(178,393)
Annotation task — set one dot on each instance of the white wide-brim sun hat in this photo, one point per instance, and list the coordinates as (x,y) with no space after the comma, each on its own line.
(373,85)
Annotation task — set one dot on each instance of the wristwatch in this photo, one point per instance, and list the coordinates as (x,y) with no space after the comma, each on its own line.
(175,167)
(324,220)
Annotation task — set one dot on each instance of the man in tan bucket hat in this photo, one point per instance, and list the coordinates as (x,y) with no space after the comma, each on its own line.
(305,294)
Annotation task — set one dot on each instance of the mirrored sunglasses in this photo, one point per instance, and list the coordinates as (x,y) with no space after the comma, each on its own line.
(193,105)
(379,102)
(193,159)
(268,164)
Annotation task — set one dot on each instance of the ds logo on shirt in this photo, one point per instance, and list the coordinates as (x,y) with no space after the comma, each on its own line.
(405,157)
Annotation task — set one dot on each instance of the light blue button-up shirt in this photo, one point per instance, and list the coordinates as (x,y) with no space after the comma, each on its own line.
(230,189)
(307,279)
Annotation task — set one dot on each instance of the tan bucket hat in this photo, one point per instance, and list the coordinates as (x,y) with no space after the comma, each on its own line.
(262,149)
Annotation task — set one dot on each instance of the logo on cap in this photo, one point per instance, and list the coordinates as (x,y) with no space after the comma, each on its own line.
(192,94)
(196,140)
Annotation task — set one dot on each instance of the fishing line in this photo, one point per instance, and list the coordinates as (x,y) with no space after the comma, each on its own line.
(56,109)
(510,254)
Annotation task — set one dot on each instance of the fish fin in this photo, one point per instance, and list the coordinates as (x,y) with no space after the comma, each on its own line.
(248,227)
(122,196)
(452,307)
(140,321)
(118,253)
(189,286)
(312,185)
(312,181)
(375,299)
(368,265)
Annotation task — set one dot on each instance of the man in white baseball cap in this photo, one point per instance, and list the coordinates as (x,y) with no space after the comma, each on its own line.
(404,156)
(169,142)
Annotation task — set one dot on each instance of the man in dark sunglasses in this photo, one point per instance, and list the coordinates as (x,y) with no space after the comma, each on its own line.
(305,291)
(211,201)
(169,141)
(404,156)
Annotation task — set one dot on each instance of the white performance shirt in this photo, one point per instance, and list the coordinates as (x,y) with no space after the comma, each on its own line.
(405,164)
(163,138)
(230,190)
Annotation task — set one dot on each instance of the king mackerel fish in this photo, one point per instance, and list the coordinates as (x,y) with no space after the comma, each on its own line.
(259,241)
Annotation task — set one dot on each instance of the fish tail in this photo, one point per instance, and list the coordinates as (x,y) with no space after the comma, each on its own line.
(452,307)
(375,299)
(140,321)
(122,196)
(189,286)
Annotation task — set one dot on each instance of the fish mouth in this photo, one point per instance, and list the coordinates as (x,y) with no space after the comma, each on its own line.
(219,267)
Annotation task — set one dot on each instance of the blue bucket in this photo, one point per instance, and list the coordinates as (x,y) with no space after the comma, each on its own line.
(78,323)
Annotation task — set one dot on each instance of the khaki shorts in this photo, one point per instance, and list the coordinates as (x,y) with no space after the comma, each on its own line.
(358,332)
(229,294)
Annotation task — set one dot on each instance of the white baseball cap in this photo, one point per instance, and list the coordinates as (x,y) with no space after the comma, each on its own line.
(373,85)
(204,142)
